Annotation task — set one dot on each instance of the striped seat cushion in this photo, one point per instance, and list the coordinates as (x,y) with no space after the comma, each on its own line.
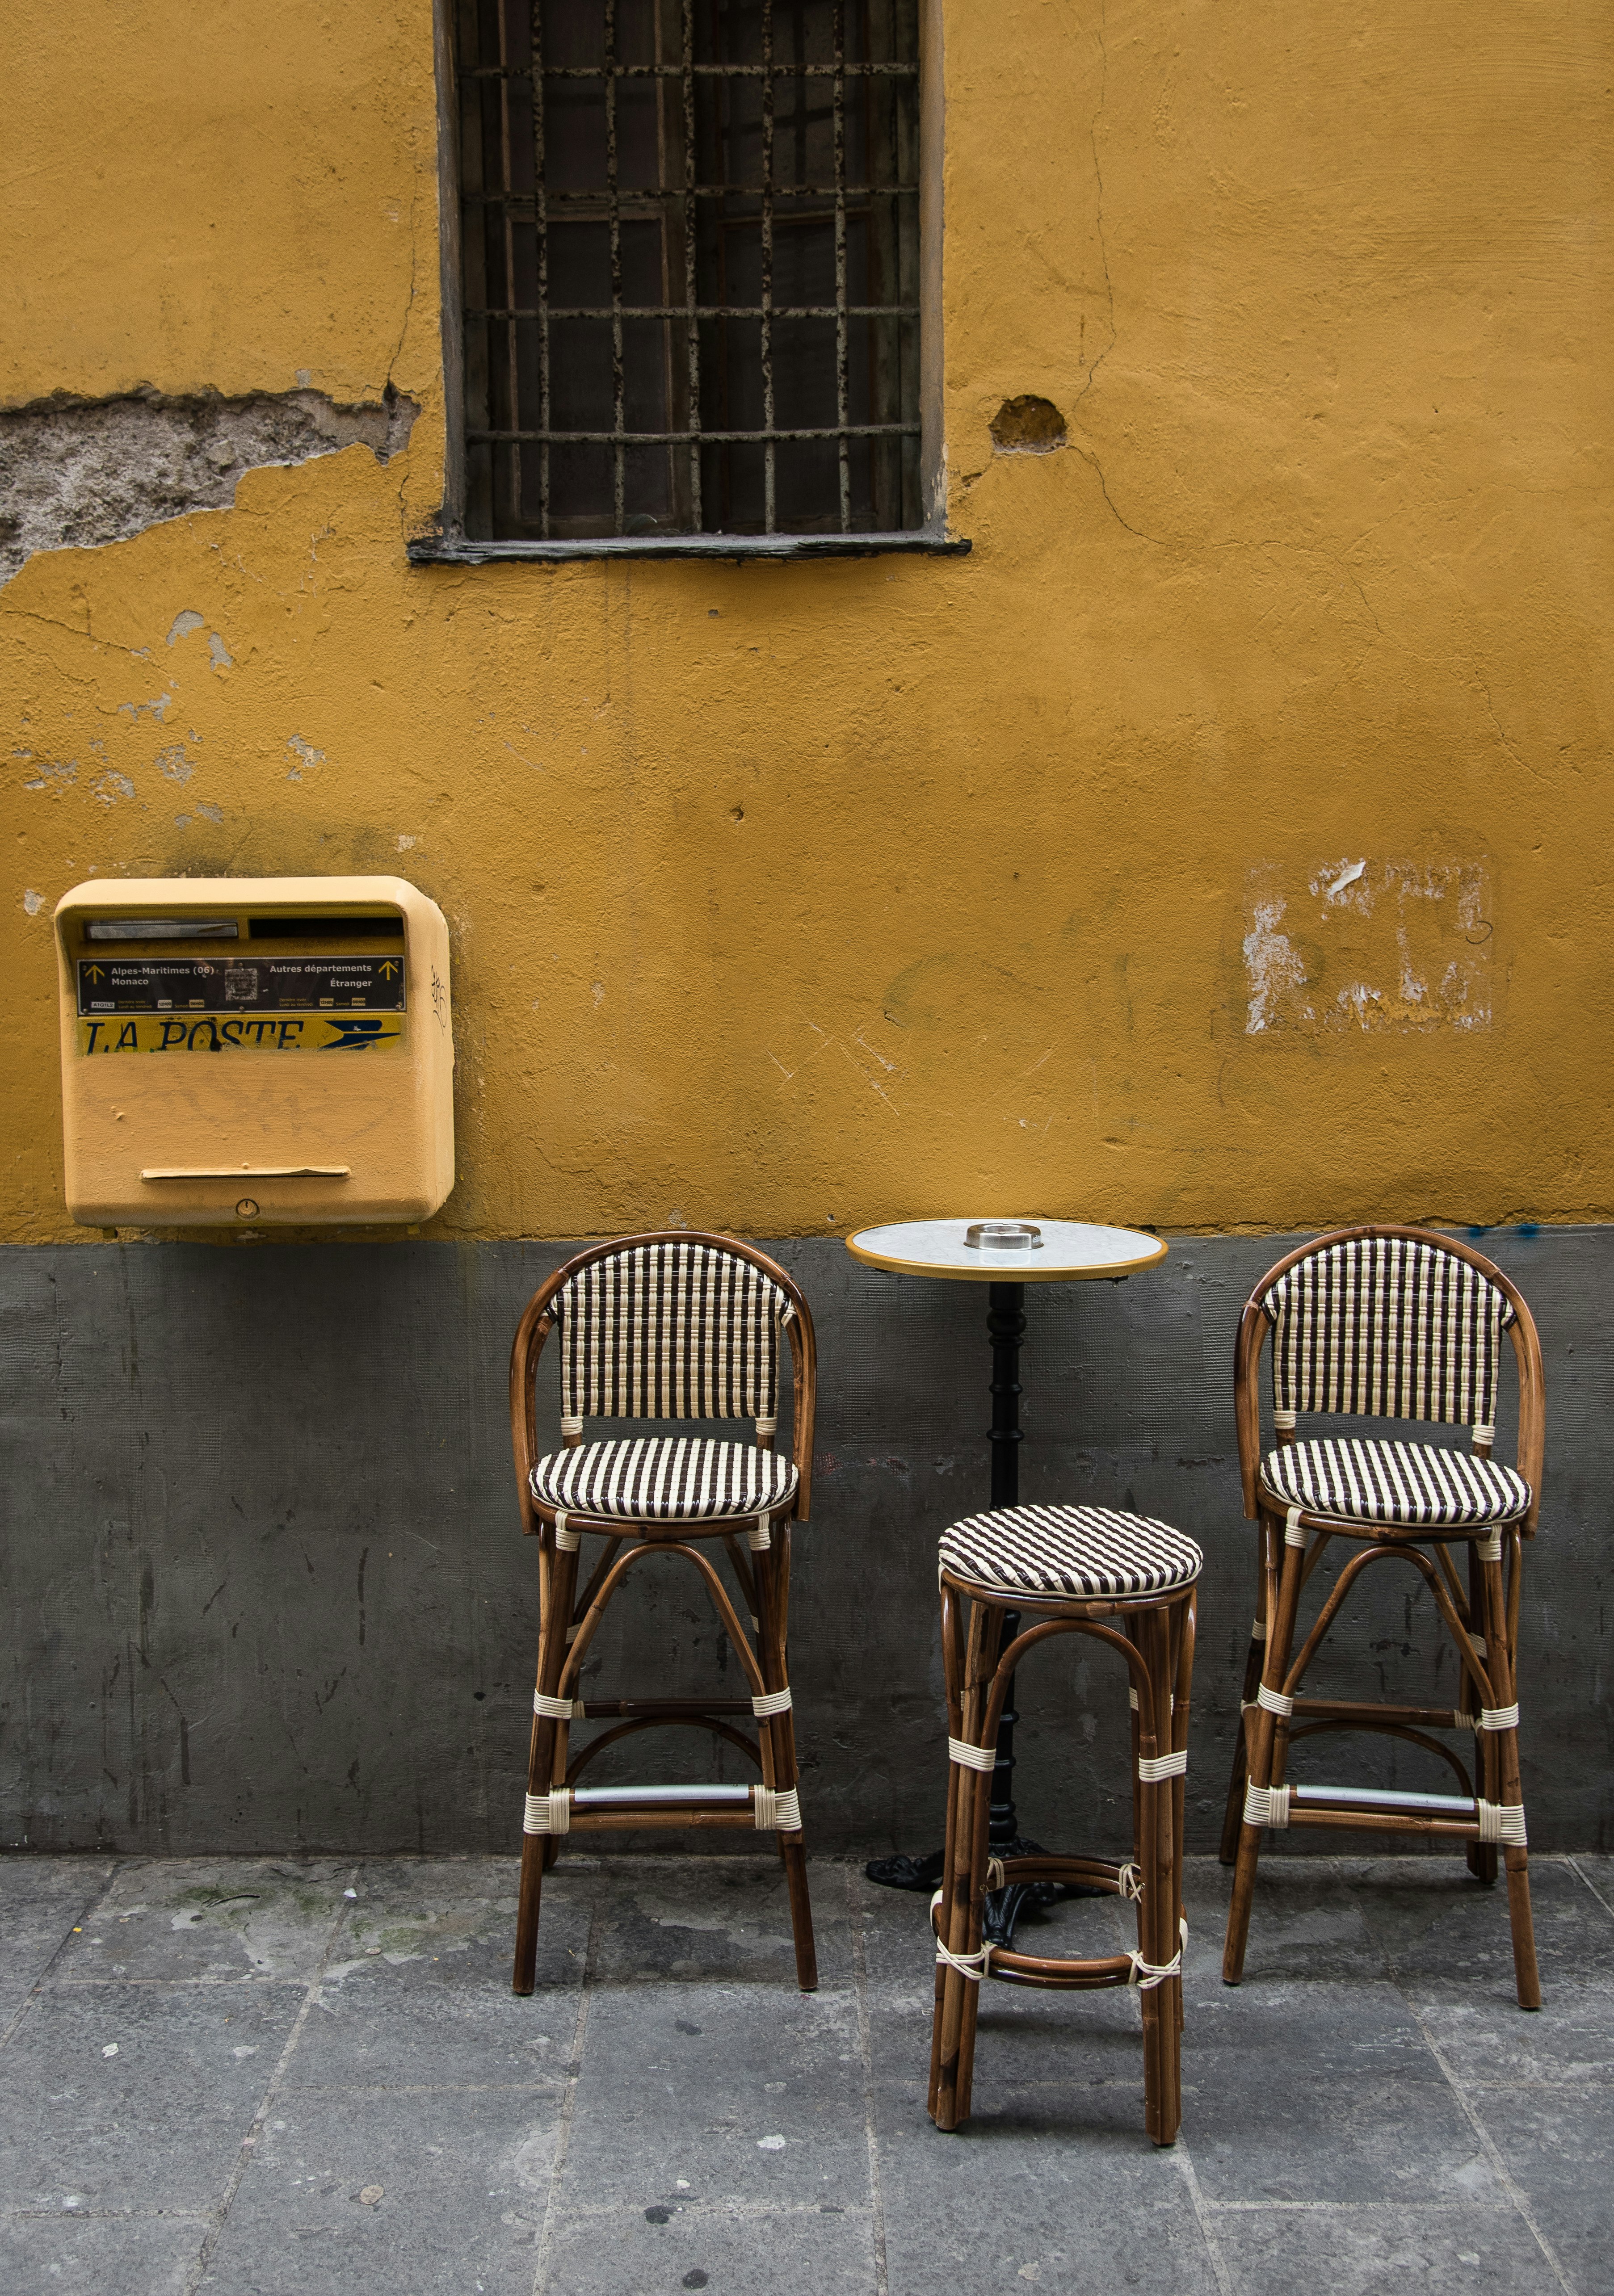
(1070,1550)
(664,1478)
(1408,1484)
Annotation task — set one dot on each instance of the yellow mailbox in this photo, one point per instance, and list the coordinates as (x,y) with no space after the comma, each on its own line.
(267,1050)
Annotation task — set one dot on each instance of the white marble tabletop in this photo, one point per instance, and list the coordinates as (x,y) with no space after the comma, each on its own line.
(1063,1251)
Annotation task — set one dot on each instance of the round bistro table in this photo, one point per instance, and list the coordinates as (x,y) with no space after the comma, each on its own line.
(1006,1255)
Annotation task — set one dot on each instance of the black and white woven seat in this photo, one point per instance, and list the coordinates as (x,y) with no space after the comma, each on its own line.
(665,1479)
(1083,1551)
(1126,1584)
(1403,1486)
(1387,1323)
(671,1326)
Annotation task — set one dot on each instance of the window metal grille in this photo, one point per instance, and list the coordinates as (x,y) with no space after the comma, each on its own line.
(690,242)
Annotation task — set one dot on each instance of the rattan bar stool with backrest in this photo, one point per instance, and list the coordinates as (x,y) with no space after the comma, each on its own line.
(679,1326)
(1128,1583)
(1386,1323)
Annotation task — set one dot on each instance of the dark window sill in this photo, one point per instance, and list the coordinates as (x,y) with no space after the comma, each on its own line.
(442,550)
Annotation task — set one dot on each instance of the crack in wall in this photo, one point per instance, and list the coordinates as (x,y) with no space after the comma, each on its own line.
(80,472)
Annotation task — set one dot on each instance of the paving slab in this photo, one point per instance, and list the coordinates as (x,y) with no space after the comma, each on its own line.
(133,2096)
(417,1992)
(41,1898)
(99,2256)
(1487,2252)
(688,2243)
(703,2059)
(1058,2190)
(1447,1941)
(214,1920)
(1557,2143)
(379,2190)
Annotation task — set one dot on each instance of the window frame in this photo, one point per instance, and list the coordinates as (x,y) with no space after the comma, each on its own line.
(451,544)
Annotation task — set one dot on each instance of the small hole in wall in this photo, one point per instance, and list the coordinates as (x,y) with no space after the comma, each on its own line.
(1028,426)
(736,813)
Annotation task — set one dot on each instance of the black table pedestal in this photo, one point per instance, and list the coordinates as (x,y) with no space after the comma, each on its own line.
(1006,1325)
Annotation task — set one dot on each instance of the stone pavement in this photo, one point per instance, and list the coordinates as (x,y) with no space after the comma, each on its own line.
(260,2075)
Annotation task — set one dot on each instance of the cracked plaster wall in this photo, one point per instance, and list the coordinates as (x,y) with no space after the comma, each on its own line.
(790,898)
(84,471)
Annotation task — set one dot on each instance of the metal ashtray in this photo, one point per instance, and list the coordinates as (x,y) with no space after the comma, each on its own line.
(1004,1235)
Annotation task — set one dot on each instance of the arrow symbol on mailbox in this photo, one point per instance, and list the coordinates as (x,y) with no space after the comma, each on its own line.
(93,972)
(388,970)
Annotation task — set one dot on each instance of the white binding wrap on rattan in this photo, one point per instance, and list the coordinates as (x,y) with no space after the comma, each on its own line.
(1293,1536)
(570,1427)
(1274,1701)
(1267,1805)
(567,1541)
(1478,1643)
(971,1757)
(1500,1823)
(758,1538)
(1257,1630)
(1153,1767)
(777,1812)
(1498,1718)
(995,1876)
(973,1965)
(1129,1882)
(557,1709)
(1132,1696)
(767,1429)
(1484,1434)
(772,1701)
(1284,1422)
(549,1813)
(1489,1548)
(1147,1975)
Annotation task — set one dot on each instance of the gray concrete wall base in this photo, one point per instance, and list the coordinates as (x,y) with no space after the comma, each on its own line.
(265,1588)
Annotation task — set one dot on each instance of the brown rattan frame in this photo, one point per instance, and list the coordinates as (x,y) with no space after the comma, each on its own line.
(1483,1621)
(1154,1635)
(568,1621)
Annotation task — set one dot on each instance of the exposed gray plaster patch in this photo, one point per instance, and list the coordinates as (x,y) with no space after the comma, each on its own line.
(75,472)
(307,754)
(184,624)
(48,770)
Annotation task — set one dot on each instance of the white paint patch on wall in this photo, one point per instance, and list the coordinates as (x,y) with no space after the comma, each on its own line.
(1379,946)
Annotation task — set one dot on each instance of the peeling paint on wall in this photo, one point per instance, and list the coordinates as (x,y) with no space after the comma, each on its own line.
(1368,945)
(77,472)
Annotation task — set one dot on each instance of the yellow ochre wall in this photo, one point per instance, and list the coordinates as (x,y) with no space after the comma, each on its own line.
(788,898)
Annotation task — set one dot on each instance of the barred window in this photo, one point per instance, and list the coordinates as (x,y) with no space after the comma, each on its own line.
(689,237)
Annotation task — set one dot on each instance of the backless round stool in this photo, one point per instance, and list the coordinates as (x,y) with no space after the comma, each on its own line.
(1121,1580)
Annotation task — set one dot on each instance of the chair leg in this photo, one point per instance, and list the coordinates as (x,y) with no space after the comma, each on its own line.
(1158,1909)
(535,1847)
(1280,1632)
(963,1879)
(1482,1855)
(1233,1815)
(1515,1861)
(769,1580)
